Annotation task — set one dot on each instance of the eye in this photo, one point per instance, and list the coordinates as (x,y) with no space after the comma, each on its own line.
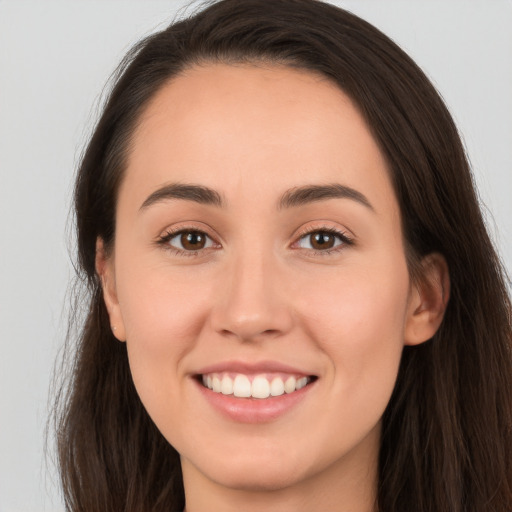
(323,240)
(188,240)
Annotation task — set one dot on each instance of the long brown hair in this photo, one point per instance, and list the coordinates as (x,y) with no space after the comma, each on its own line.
(447,431)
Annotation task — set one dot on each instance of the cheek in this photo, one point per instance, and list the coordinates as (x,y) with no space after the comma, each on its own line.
(163,315)
(161,308)
(359,322)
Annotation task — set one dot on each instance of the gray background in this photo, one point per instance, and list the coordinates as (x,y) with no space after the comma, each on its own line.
(55,58)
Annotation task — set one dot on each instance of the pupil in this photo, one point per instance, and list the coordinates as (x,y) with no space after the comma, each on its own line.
(323,241)
(192,240)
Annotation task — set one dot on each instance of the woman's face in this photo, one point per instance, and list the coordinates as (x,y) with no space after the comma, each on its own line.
(258,247)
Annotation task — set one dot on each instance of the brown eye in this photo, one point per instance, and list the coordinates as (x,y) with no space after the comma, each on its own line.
(190,241)
(321,240)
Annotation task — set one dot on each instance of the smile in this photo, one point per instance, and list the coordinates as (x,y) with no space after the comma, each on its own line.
(254,386)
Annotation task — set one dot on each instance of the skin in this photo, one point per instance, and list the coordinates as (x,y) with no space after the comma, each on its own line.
(260,291)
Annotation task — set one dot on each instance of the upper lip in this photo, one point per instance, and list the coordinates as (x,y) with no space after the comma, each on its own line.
(252,368)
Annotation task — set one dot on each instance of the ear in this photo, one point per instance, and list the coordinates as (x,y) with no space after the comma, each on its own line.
(428,300)
(105,270)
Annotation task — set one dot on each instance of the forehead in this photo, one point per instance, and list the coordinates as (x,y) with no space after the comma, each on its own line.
(248,127)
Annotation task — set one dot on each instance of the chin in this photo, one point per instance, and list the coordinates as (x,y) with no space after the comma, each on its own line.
(254,478)
(253,470)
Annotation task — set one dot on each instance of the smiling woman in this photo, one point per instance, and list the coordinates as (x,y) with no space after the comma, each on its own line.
(294,301)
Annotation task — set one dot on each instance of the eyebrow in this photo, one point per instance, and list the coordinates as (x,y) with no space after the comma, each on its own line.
(197,193)
(311,193)
(292,198)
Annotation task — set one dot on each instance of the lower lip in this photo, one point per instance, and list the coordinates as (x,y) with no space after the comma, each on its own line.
(254,410)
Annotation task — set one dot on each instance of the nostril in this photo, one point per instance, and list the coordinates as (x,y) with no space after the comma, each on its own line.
(248,335)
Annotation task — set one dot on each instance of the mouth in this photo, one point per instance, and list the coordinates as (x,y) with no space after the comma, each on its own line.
(260,386)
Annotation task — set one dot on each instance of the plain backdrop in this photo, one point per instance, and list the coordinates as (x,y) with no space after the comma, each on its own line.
(56,56)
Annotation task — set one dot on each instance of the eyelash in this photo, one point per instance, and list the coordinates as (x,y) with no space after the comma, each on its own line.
(164,240)
(342,236)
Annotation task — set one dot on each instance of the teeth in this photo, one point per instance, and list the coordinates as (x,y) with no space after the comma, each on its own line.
(216,385)
(226,385)
(301,383)
(289,385)
(260,387)
(242,386)
(277,387)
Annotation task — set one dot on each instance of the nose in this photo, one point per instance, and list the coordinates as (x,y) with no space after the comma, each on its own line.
(253,303)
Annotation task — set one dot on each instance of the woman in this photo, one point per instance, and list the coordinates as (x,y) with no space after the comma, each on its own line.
(294,301)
